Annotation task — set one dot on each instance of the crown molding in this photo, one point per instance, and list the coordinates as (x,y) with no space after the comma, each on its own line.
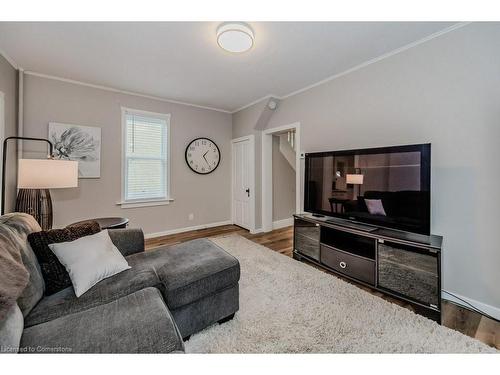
(113,89)
(268,96)
(360,66)
(10,60)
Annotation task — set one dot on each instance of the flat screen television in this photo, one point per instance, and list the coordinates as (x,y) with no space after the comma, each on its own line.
(387,186)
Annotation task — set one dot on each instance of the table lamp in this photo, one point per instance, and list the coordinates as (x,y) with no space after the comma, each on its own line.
(355,179)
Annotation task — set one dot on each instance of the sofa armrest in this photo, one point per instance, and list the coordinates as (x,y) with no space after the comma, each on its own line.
(128,241)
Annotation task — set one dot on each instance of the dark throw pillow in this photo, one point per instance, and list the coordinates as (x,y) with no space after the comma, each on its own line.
(55,275)
(361,204)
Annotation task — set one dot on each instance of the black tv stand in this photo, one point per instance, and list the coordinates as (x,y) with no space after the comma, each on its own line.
(401,264)
(351,224)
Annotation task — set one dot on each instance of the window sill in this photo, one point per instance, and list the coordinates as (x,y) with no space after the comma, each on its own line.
(145,203)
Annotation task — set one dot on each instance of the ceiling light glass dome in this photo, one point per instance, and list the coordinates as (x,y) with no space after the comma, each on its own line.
(235,37)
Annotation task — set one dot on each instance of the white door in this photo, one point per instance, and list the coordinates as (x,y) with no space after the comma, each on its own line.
(241,183)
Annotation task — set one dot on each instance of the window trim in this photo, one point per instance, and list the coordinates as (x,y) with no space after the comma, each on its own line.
(133,203)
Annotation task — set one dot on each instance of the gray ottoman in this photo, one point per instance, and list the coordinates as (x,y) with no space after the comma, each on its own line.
(199,282)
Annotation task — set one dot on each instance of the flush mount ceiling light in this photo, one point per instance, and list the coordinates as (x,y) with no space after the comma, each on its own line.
(235,37)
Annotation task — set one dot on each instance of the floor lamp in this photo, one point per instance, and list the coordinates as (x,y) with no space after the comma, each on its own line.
(355,179)
(34,179)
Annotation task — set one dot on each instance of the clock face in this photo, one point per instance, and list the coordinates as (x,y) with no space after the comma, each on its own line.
(202,155)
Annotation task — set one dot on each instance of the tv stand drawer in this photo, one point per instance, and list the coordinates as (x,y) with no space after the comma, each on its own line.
(350,265)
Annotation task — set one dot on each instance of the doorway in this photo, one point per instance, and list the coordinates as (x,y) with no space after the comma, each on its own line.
(243,182)
(285,134)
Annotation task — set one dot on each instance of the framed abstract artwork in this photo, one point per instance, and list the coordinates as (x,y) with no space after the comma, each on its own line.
(79,143)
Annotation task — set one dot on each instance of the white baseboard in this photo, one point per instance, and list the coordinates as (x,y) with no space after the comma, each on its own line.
(488,309)
(187,229)
(278,224)
(283,223)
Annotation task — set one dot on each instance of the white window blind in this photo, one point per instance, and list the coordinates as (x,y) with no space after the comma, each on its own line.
(146,164)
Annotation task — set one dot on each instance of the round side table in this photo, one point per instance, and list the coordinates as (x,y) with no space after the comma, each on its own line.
(107,222)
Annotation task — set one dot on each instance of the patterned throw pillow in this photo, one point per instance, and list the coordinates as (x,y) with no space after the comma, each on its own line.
(55,275)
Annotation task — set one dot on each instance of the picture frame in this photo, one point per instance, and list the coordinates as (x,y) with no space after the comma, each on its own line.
(79,143)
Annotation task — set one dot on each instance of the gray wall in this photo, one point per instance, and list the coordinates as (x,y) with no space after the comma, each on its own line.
(207,197)
(283,184)
(8,85)
(447,92)
(244,123)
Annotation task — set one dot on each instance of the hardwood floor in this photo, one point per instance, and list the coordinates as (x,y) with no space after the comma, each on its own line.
(281,240)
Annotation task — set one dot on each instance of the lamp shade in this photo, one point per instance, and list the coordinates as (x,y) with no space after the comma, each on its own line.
(47,174)
(354,179)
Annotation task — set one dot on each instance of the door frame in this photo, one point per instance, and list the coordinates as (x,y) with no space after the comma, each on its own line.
(267,173)
(251,139)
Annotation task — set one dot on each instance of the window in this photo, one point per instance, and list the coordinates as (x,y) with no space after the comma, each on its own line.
(146,163)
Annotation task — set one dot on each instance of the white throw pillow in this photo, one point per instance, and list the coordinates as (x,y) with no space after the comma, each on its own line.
(89,260)
(375,207)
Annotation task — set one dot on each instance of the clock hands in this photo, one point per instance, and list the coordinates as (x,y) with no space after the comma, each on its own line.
(206,158)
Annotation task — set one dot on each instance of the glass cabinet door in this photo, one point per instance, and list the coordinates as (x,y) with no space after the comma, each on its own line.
(306,239)
(409,271)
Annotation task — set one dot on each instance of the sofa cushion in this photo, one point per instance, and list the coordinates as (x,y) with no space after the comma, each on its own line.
(19,276)
(55,275)
(190,270)
(128,240)
(65,301)
(137,323)
(11,329)
(413,205)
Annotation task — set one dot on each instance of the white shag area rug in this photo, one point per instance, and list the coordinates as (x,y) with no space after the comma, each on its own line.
(290,307)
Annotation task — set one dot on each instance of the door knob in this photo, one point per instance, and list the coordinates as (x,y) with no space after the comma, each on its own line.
(248,192)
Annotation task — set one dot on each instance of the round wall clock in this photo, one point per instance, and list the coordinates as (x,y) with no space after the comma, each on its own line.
(202,155)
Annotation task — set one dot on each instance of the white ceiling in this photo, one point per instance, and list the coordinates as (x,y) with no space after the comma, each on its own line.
(182,61)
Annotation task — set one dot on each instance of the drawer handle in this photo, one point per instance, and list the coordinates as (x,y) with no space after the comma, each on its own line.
(343,264)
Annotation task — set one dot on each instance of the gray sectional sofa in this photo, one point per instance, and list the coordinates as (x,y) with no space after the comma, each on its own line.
(168,294)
